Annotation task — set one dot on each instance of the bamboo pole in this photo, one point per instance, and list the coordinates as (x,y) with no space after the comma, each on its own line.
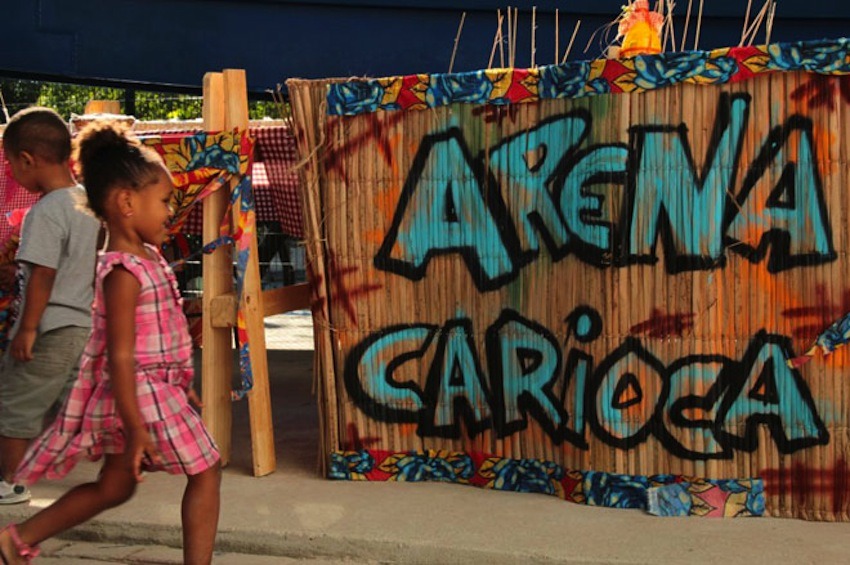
(501,42)
(746,23)
(756,23)
(699,25)
(3,105)
(670,26)
(687,22)
(510,36)
(497,40)
(457,39)
(533,36)
(768,30)
(557,42)
(570,45)
(306,100)
(514,38)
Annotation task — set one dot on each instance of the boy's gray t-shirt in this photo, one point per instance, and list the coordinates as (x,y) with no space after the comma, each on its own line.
(61,233)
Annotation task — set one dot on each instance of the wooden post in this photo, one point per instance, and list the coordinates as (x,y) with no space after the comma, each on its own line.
(217,354)
(251,302)
(103,107)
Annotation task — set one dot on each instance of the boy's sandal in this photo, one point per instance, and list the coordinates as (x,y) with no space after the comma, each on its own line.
(24,550)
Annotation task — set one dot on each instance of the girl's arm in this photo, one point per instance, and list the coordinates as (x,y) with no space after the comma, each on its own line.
(120,292)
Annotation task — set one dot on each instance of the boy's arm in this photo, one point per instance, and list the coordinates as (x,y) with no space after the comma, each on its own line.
(39,287)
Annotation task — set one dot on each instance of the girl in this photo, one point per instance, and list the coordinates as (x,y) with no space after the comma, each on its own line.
(130,404)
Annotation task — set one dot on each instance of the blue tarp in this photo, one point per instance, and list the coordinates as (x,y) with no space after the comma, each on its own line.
(177,41)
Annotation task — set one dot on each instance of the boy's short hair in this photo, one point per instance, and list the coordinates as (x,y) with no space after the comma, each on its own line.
(38,131)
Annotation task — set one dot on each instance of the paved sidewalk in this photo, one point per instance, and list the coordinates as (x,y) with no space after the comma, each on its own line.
(64,552)
(294,514)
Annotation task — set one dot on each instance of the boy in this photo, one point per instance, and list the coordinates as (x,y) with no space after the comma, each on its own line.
(56,262)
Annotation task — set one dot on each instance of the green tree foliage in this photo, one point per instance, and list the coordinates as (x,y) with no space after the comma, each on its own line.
(68,99)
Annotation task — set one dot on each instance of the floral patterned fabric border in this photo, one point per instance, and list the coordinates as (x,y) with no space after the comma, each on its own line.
(587,78)
(692,496)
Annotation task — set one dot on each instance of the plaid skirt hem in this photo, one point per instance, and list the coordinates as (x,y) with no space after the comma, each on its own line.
(183,444)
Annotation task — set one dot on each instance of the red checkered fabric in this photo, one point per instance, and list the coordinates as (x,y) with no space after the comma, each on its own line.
(276,150)
(275,182)
(12,197)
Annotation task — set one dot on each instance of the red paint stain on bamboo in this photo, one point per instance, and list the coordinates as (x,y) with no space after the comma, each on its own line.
(353,440)
(378,131)
(664,325)
(817,313)
(822,91)
(804,482)
(342,294)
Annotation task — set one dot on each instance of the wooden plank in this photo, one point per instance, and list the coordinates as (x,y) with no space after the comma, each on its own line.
(217,354)
(103,107)
(286,299)
(222,310)
(275,301)
(251,303)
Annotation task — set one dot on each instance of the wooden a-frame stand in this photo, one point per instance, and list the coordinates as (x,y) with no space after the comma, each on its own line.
(225,109)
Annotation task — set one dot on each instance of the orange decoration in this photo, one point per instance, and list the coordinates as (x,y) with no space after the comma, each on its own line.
(640,29)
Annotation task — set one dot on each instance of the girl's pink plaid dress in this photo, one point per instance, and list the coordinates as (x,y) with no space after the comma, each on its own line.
(89,424)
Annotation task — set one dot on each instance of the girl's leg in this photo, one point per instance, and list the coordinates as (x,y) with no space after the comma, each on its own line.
(114,486)
(200,516)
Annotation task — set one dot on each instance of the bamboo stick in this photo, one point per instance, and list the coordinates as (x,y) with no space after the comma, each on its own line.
(497,39)
(570,45)
(769,26)
(307,98)
(557,42)
(510,37)
(457,39)
(5,109)
(533,36)
(756,23)
(670,6)
(501,42)
(687,22)
(699,25)
(514,38)
(746,22)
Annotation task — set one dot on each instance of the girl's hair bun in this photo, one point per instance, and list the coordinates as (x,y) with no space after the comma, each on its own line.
(108,155)
(102,136)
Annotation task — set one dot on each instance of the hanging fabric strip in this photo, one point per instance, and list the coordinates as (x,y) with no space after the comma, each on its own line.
(244,224)
(205,250)
(200,165)
(833,337)
(182,202)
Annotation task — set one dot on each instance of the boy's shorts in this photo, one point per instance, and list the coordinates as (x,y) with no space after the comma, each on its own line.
(32,391)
